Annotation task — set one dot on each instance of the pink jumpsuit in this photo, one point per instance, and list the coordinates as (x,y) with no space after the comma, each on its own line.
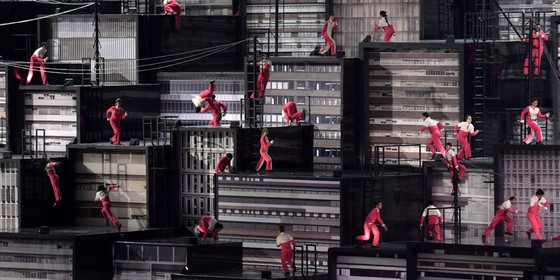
(389,30)
(215,108)
(451,161)
(289,112)
(206,226)
(285,242)
(502,215)
(533,112)
(369,227)
(103,196)
(262,80)
(537,49)
(265,144)
(223,164)
(326,32)
(115,115)
(464,129)
(533,215)
(55,181)
(434,127)
(171,6)
(37,58)
(434,219)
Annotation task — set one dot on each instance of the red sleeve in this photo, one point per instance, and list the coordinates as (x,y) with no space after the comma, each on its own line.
(123,114)
(224,107)
(325,28)
(380,220)
(423,128)
(369,218)
(376,27)
(211,88)
(440,126)
(541,115)
(205,108)
(456,128)
(511,210)
(546,204)
(544,37)
(335,27)
(293,241)
(455,161)
(524,112)
(112,186)
(109,112)
(264,143)
(421,220)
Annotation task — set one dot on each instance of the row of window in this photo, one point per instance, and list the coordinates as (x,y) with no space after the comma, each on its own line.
(327,152)
(304,85)
(306,68)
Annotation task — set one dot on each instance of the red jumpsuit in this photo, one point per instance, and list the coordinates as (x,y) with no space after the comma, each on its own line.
(262,80)
(537,49)
(326,32)
(502,215)
(55,181)
(533,215)
(285,242)
(171,6)
(215,108)
(206,226)
(434,219)
(389,30)
(289,112)
(115,115)
(452,163)
(204,96)
(370,227)
(37,58)
(223,164)
(265,144)
(103,196)
(434,128)
(534,112)
(464,129)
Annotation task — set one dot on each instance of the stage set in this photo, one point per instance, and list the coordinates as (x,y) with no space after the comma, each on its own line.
(208,142)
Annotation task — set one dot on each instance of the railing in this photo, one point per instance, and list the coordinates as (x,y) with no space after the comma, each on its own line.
(379,159)
(156,129)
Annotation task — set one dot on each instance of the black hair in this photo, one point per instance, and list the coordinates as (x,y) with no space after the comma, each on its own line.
(512,198)
(229,155)
(101,188)
(377,203)
(539,192)
(449,144)
(281,228)
(384,14)
(213,97)
(430,202)
(43,44)
(331,14)
(218,226)
(534,99)
(425,114)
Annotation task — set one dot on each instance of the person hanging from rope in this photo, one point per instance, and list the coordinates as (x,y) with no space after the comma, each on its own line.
(55,181)
(385,25)
(502,215)
(38,58)
(208,225)
(171,7)
(224,163)
(265,144)
(285,241)
(537,202)
(103,196)
(465,128)
(435,128)
(215,108)
(327,32)
(537,47)
(201,100)
(264,75)
(534,112)
(114,116)
(370,227)
(291,114)
(454,165)
(434,219)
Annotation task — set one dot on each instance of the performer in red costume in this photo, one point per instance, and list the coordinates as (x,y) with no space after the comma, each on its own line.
(290,113)
(265,144)
(537,48)
(452,163)
(285,241)
(114,116)
(387,27)
(465,128)
(264,75)
(208,226)
(538,202)
(369,226)
(502,215)
(39,58)
(215,108)
(103,196)
(204,97)
(328,28)
(224,163)
(171,7)
(434,219)
(55,181)
(435,129)
(534,113)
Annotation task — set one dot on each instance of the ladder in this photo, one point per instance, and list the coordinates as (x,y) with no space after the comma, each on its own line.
(253,106)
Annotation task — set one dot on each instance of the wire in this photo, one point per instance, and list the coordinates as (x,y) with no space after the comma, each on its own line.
(44,17)
(53,2)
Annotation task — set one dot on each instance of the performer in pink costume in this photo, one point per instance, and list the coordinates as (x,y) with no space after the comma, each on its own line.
(208,226)
(215,108)
(201,100)
(465,128)
(103,196)
(265,144)
(114,116)
(328,28)
(387,27)
(291,114)
(171,7)
(435,129)
(224,163)
(55,181)
(538,202)
(39,58)
(264,75)
(537,49)
(502,215)
(452,162)
(434,219)
(534,113)
(285,241)
(370,227)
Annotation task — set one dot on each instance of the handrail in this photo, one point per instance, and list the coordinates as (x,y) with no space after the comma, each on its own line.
(380,159)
